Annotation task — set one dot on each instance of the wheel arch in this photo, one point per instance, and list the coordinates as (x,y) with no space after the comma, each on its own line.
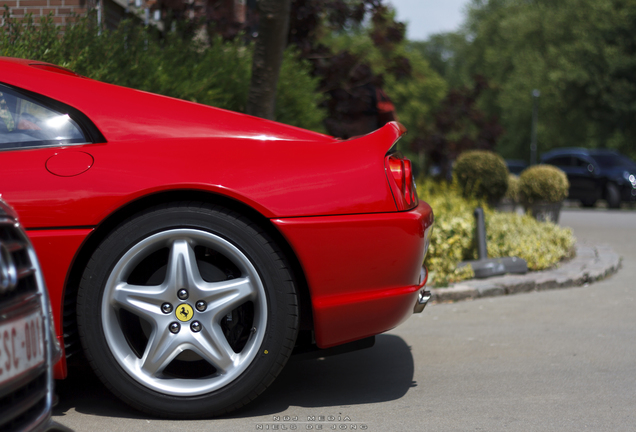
(84,253)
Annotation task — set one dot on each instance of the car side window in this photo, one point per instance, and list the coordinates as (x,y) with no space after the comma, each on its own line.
(560,161)
(25,122)
(581,162)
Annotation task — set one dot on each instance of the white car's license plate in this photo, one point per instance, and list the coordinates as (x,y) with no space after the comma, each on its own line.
(21,346)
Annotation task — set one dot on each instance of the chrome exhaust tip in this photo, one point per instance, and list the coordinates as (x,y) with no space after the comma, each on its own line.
(423,296)
(422,300)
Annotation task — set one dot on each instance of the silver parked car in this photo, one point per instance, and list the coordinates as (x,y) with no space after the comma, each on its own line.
(28,346)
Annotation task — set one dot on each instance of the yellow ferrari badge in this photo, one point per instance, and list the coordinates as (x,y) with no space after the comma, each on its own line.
(184,312)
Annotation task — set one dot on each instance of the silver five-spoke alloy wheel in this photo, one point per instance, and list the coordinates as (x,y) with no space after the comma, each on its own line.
(208,342)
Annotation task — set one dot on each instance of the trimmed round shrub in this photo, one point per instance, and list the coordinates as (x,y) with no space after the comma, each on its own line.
(481,174)
(543,183)
(512,193)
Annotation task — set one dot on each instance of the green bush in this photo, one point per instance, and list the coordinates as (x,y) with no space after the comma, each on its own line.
(543,183)
(452,237)
(216,73)
(481,174)
(512,193)
(541,244)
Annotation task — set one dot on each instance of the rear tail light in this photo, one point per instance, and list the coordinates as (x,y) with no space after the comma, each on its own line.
(400,176)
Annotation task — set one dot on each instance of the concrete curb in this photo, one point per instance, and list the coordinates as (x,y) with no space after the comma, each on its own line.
(591,263)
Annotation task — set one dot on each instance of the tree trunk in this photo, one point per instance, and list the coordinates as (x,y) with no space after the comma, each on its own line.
(268,56)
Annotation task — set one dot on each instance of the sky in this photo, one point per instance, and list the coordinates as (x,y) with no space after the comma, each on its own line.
(426,17)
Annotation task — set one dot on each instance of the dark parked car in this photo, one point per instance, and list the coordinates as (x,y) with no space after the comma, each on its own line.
(596,174)
(515,166)
(29,347)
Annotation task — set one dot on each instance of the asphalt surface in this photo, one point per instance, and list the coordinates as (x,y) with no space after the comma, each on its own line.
(558,360)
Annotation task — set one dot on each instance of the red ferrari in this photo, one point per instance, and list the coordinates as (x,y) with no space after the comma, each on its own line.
(190,250)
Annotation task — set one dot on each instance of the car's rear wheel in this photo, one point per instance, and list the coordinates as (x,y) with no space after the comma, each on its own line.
(588,202)
(187,311)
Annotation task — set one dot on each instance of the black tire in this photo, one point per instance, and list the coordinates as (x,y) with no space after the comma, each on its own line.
(612,196)
(246,331)
(588,202)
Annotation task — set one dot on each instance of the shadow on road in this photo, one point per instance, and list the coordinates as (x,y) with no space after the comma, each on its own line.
(83,391)
(382,373)
(379,374)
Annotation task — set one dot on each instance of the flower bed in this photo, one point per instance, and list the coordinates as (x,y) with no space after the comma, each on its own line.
(541,244)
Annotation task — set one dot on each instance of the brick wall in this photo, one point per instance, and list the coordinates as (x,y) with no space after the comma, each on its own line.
(61,9)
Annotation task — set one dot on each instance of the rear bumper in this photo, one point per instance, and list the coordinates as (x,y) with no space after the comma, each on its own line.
(363,271)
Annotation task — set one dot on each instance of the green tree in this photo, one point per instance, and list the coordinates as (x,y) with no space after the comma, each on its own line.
(414,87)
(268,56)
(416,100)
(581,55)
(445,52)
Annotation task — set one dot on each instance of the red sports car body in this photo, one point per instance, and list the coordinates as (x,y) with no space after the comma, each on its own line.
(143,207)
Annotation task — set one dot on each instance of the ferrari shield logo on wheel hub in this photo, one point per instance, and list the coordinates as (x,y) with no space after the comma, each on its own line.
(184,312)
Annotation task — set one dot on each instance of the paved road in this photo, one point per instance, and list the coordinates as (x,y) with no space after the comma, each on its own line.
(562,360)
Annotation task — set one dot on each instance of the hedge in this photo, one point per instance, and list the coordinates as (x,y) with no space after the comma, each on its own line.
(215,73)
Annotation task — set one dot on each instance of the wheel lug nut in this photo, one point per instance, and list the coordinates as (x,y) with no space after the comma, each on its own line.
(166,308)
(195,326)
(182,294)
(174,327)
(201,305)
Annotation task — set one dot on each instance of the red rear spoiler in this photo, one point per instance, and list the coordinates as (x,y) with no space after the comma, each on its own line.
(389,133)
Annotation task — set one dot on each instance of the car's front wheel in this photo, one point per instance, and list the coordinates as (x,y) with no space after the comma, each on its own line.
(612,196)
(187,311)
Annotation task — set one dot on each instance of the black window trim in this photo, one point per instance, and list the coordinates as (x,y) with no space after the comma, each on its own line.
(91,132)
(553,160)
(586,159)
